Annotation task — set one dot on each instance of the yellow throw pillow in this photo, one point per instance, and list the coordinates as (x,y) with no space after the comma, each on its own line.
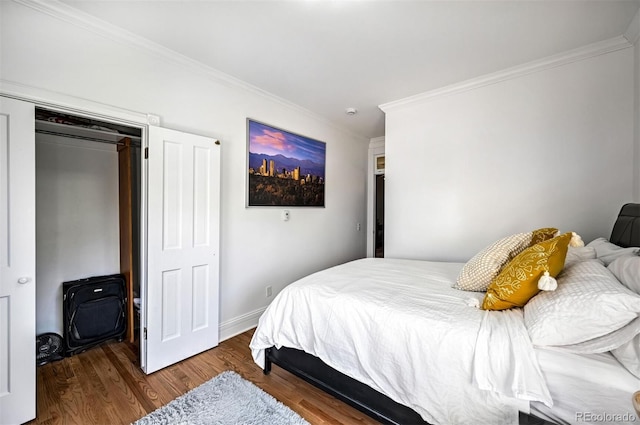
(543,234)
(517,283)
(479,271)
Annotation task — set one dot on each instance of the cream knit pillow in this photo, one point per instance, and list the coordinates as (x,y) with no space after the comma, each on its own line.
(477,273)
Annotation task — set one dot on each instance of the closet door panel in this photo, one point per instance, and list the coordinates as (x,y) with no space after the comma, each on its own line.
(183,234)
(17,262)
(173,197)
(201,294)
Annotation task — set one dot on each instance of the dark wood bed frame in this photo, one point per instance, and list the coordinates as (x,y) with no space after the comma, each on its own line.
(625,233)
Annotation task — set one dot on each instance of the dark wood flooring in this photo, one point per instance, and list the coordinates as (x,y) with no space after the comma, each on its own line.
(104,385)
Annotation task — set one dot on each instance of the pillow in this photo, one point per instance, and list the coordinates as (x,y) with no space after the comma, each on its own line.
(607,342)
(518,280)
(478,272)
(589,302)
(581,253)
(607,251)
(543,234)
(629,355)
(627,271)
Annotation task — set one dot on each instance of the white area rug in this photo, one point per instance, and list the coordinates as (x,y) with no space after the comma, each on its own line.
(227,399)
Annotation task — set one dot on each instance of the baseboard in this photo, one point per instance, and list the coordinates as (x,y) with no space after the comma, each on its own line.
(237,325)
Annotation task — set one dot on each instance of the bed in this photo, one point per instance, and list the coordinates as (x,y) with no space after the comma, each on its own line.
(395,339)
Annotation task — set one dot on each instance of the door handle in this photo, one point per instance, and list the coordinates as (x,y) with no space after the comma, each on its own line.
(24,280)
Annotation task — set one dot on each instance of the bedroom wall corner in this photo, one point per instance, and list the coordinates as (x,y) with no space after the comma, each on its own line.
(257,248)
(553,147)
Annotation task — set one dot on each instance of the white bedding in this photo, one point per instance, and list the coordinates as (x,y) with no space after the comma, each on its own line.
(586,388)
(399,327)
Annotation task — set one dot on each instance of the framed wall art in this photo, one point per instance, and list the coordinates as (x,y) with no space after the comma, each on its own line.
(285,169)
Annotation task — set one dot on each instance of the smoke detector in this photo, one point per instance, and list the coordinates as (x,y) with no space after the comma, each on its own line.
(351,111)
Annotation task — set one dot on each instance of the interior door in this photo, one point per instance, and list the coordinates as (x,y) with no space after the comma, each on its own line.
(17,262)
(183,190)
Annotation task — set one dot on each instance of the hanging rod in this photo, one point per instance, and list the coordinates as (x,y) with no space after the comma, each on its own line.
(135,141)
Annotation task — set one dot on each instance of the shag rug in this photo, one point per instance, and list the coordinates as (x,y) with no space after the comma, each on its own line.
(227,399)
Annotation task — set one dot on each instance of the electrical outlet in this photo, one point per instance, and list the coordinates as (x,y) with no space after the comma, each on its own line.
(285,215)
(268,291)
(358,227)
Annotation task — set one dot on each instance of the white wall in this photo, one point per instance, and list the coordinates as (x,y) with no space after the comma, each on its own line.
(636,161)
(77,224)
(549,148)
(633,35)
(257,248)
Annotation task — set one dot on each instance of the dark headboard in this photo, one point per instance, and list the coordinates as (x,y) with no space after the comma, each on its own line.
(626,230)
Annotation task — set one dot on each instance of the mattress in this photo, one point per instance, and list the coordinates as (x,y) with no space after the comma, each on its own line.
(586,388)
(399,327)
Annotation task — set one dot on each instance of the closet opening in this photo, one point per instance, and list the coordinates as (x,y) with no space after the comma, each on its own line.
(88,211)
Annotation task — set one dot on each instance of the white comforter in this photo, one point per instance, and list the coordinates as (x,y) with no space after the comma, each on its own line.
(399,327)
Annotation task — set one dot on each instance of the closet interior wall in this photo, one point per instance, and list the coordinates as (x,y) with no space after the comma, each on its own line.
(87,209)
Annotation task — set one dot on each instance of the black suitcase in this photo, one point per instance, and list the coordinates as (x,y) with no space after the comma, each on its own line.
(94,310)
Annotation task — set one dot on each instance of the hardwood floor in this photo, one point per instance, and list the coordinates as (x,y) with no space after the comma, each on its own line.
(104,385)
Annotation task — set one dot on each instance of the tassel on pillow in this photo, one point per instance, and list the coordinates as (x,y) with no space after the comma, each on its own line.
(547,283)
(576,240)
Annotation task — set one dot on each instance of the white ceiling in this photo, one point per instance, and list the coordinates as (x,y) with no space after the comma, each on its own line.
(327,55)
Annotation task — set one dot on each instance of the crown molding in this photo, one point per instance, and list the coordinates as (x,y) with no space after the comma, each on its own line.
(71,104)
(632,34)
(586,52)
(88,22)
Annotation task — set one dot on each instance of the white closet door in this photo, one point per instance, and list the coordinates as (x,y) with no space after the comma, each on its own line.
(17,262)
(183,242)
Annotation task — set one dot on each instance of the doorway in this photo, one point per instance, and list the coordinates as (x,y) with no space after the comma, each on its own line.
(88,186)
(379,217)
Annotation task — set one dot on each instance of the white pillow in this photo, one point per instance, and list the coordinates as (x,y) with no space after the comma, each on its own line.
(607,342)
(607,251)
(629,355)
(589,303)
(580,253)
(627,271)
